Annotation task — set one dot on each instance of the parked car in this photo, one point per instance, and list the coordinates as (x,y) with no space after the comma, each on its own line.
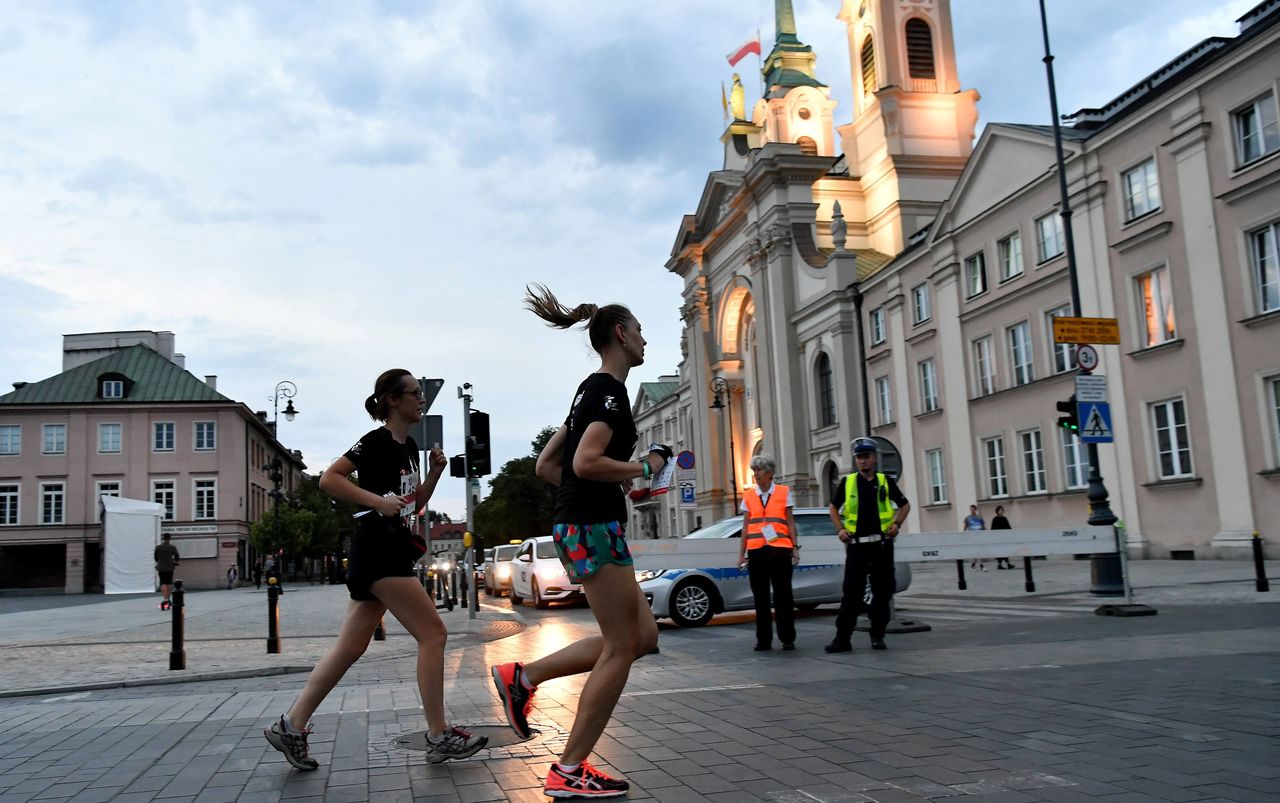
(538,575)
(480,564)
(690,597)
(497,570)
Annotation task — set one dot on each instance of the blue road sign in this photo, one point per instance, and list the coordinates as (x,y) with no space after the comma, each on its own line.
(1095,422)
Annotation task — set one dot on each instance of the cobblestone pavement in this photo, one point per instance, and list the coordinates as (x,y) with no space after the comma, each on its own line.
(1183,706)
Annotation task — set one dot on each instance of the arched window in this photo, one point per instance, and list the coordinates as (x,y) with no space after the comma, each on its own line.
(807,146)
(826,387)
(869,83)
(919,49)
(830,475)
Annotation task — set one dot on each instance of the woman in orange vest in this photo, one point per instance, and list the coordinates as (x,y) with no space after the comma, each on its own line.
(769,550)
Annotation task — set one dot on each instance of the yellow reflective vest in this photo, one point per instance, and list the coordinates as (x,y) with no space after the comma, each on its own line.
(849,513)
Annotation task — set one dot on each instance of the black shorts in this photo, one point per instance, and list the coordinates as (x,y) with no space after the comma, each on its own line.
(166,578)
(377,553)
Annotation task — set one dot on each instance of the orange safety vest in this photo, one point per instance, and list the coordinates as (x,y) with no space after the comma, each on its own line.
(774,513)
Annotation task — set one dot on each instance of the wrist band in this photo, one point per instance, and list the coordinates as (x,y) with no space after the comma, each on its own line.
(646,468)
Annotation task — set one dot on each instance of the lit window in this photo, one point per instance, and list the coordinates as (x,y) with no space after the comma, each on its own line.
(1173,442)
(206,436)
(109,437)
(1264,269)
(11,439)
(1141,187)
(1032,461)
(928,386)
(1256,130)
(1155,307)
(884,400)
(937,476)
(163,441)
(975,274)
(1020,353)
(1049,232)
(1075,464)
(1010,251)
(1064,354)
(54,440)
(920,303)
(877,326)
(997,476)
(9,496)
(52,503)
(984,368)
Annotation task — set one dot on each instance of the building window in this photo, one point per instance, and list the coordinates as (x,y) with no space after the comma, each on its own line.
(984,367)
(919,49)
(826,387)
(11,439)
(928,386)
(1020,353)
(1075,463)
(1265,270)
(1173,443)
(1032,461)
(163,441)
(1010,252)
(54,440)
(1049,234)
(9,496)
(1155,307)
(868,59)
(975,274)
(1256,130)
(162,493)
(112,389)
(52,503)
(877,326)
(920,303)
(884,400)
(207,436)
(206,499)
(997,475)
(1064,354)
(1141,188)
(1273,411)
(109,438)
(937,476)
(106,488)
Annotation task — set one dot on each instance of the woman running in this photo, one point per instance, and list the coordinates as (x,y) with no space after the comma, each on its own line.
(380,575)
(589,459)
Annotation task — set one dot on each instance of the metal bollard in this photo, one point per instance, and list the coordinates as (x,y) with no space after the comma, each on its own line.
(960,583)
(1026,568)
(1259,568)
(464,586)
(273,616)
(177,654)
(380,632)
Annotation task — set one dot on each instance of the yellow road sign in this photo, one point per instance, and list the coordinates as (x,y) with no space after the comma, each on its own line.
(1104,331)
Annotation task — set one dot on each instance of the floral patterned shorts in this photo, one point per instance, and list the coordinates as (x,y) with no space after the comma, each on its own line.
(584,548)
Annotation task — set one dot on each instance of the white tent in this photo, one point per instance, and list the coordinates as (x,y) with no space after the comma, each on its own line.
(130,532)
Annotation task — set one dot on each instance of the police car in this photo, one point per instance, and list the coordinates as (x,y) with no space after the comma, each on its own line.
(690,597)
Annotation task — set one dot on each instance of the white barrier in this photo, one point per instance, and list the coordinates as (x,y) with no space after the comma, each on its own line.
(697,553)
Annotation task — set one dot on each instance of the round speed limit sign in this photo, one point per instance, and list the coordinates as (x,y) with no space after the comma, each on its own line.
(1087,358)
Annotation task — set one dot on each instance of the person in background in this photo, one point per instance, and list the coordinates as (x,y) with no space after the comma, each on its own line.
(233,574)
(257,575)
(974,521)
(999,522)
(167,559)
(770,551)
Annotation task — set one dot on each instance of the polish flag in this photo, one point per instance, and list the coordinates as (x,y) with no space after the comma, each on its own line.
(739,53)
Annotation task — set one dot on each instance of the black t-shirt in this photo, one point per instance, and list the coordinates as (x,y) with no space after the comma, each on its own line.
(384,465)
(1000,523)
(600,397)
(868,504)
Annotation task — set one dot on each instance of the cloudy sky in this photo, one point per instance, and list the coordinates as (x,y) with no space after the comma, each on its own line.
(320,191)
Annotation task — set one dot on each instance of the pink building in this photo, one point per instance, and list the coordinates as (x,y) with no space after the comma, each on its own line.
(125,418)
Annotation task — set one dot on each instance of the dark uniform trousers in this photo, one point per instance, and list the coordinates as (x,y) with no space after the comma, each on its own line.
(872,559)
(771,566)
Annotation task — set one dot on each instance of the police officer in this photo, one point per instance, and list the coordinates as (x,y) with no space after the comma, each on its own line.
(868,510)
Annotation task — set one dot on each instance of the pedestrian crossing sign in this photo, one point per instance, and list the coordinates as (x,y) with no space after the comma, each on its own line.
(1095,422)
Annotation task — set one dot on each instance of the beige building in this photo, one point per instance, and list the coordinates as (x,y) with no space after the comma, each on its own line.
(124,418)
(922,310)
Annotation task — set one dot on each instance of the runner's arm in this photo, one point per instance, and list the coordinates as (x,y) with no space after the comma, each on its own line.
(590,462)
(550,466)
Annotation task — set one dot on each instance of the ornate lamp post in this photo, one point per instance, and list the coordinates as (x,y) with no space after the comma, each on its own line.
(287,390)
(720,385)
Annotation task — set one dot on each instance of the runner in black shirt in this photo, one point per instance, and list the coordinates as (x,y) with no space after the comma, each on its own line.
(588,459)
(380,577)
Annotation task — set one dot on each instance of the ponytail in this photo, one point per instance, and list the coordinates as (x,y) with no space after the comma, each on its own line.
(600,321)
(388,382)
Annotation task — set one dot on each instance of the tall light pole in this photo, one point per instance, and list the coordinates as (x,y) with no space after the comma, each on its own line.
(720,385)
(287,390)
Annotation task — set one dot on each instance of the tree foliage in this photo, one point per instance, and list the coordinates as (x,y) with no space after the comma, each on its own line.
(519,504)
(310,522)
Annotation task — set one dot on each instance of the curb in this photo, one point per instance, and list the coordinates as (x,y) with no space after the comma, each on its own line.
(230,674)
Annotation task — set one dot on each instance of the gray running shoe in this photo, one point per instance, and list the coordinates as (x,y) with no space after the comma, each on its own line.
(454,744)
(293,745)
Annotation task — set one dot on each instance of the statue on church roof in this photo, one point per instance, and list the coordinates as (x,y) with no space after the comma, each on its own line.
(738,99)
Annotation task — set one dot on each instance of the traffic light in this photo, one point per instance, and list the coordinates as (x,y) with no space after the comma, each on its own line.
(478,445)
(458,466)
(1070,420)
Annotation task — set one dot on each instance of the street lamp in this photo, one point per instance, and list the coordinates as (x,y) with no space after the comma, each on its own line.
(286,389)
(720,385)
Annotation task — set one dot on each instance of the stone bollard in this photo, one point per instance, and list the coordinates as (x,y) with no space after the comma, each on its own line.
(1026,569)
(177,653)
(1259,568)
(273,616)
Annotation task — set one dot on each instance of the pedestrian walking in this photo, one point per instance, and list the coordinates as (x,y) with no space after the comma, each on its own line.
(167,560)
(383,551)
(233,575)
(867,509)
(974,521)
(999,522)
(769,549)
(257,576)
(589,459)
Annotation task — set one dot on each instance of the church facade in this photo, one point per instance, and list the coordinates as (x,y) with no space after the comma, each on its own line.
(893,277)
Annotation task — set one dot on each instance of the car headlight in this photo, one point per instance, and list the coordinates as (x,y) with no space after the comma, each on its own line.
(504,571)
(649,574)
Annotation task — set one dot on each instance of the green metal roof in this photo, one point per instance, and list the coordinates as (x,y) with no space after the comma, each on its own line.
(152,378)
(657,391)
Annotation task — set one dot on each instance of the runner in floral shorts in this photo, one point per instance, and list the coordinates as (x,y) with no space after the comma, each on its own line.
(584,548)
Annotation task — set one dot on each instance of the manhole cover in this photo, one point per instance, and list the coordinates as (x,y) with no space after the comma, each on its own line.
(499,736)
